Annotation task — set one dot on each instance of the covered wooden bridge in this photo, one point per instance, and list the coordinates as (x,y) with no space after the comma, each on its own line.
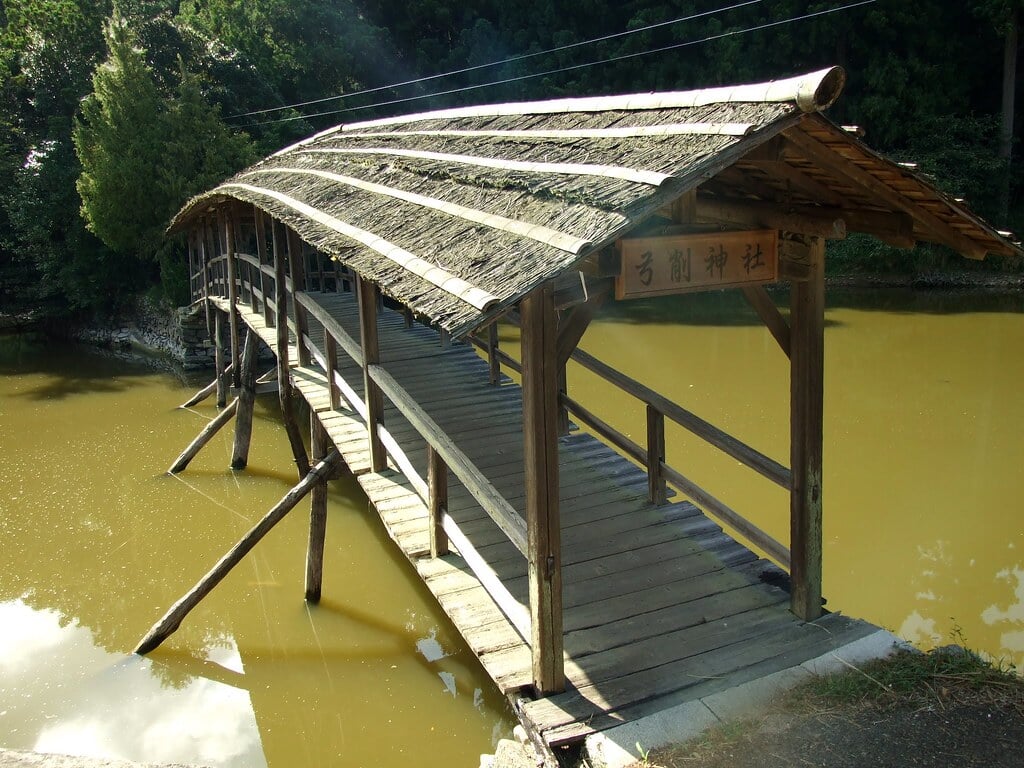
(592,578)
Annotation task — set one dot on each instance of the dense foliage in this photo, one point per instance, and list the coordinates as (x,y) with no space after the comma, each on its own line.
(114,112)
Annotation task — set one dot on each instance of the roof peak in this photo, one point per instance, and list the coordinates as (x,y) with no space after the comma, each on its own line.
(811,92)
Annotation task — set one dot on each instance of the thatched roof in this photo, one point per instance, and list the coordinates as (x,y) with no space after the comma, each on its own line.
(459,213)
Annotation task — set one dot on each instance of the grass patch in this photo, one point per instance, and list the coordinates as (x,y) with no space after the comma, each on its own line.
(949,674)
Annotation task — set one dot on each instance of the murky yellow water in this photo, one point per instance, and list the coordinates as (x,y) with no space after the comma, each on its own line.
(96,542)
(924,452)
(923,526)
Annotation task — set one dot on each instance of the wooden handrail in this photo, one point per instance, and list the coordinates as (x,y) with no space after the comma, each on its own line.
(725,442)
(493,503)
(332,326)
(716,508)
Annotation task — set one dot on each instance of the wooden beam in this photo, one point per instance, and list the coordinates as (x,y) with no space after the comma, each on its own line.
(804,219)
(823,157)
(367,298)
(297,271)
(285,396)
(656,490)
(173,618)
(211,429)
(319,443)
(573,325)
(218,360)
(807,315)
(758,298)
(262,254)
(246,403)
(493,362)
(684,208)
(544,534)
(437,501)
(229,241)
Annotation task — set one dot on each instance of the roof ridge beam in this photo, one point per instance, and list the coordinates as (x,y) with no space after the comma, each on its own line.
(433,274)
(651,178)
(537,232)
(627,131)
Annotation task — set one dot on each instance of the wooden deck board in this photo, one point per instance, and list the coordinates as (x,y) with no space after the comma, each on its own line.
(660,605)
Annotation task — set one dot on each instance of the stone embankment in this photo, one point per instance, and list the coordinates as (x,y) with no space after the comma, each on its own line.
(179,334)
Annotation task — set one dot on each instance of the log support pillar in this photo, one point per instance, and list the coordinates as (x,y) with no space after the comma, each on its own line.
(246,403)
(807,318)
(437,485)
(319,444)
(218,360)
(367,294)
(540,431)
(229,252)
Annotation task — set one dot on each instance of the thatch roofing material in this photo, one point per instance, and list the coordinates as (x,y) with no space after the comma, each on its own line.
(458,213)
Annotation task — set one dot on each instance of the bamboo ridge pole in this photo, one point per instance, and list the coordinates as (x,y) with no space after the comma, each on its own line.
(203,438)
(173,618)
(202,394)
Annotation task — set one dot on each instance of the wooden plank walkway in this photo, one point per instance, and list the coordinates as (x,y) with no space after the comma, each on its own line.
(660,605)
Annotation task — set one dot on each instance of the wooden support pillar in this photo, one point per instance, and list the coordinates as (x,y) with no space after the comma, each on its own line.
(262,256)
(367,294)
(563,390)
(246,403)
(656,490)
(204,255)
(319,443)
(284,380)
(437,485)
(218,359)
(807,318)
(544,534)
(229,252)
(297,271)
(211,429)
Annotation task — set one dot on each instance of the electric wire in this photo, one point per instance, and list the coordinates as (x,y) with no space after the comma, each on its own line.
(505,81)
(509,60)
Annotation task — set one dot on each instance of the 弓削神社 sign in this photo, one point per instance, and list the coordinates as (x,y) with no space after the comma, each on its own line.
(657,266)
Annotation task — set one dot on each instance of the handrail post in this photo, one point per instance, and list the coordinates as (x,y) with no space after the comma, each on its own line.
(229,252)
(331,358)
(262,257)
(297,272)
(540,452)
(807,316)
(437,484)
(656,490)
(367,297)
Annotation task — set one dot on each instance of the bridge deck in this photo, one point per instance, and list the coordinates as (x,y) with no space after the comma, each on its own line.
(660,605)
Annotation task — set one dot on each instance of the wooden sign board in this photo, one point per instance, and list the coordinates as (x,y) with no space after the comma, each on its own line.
(659,266)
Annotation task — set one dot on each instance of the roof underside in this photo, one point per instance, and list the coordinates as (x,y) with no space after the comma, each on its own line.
(458,214)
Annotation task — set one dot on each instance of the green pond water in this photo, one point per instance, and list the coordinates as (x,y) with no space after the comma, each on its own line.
(924,533)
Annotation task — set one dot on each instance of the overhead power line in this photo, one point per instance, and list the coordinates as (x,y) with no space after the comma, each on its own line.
(509,60)
(520,78)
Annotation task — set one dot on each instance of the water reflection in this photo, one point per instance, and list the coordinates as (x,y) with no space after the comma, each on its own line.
(104,705)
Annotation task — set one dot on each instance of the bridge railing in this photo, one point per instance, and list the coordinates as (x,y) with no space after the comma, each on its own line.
(651,456)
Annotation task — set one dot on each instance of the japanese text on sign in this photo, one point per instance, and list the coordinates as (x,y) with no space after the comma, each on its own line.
(655,266)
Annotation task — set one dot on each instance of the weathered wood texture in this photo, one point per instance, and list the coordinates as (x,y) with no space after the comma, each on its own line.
(319,442)
(211,429)
(807,390)
(246,404)
(660,606)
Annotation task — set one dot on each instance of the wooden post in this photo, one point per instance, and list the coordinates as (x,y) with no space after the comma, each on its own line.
(229,239)
(284,380)
(204,254)
(540,431)
(203,438)
(246,403)
(318,442)
(563,390)
(262,257)
(298,274)
(173,618)
(807,317)
(203,393)
(656,492)
(331,358)
(367,295)
(437,484)
(493,363)
(218,360)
